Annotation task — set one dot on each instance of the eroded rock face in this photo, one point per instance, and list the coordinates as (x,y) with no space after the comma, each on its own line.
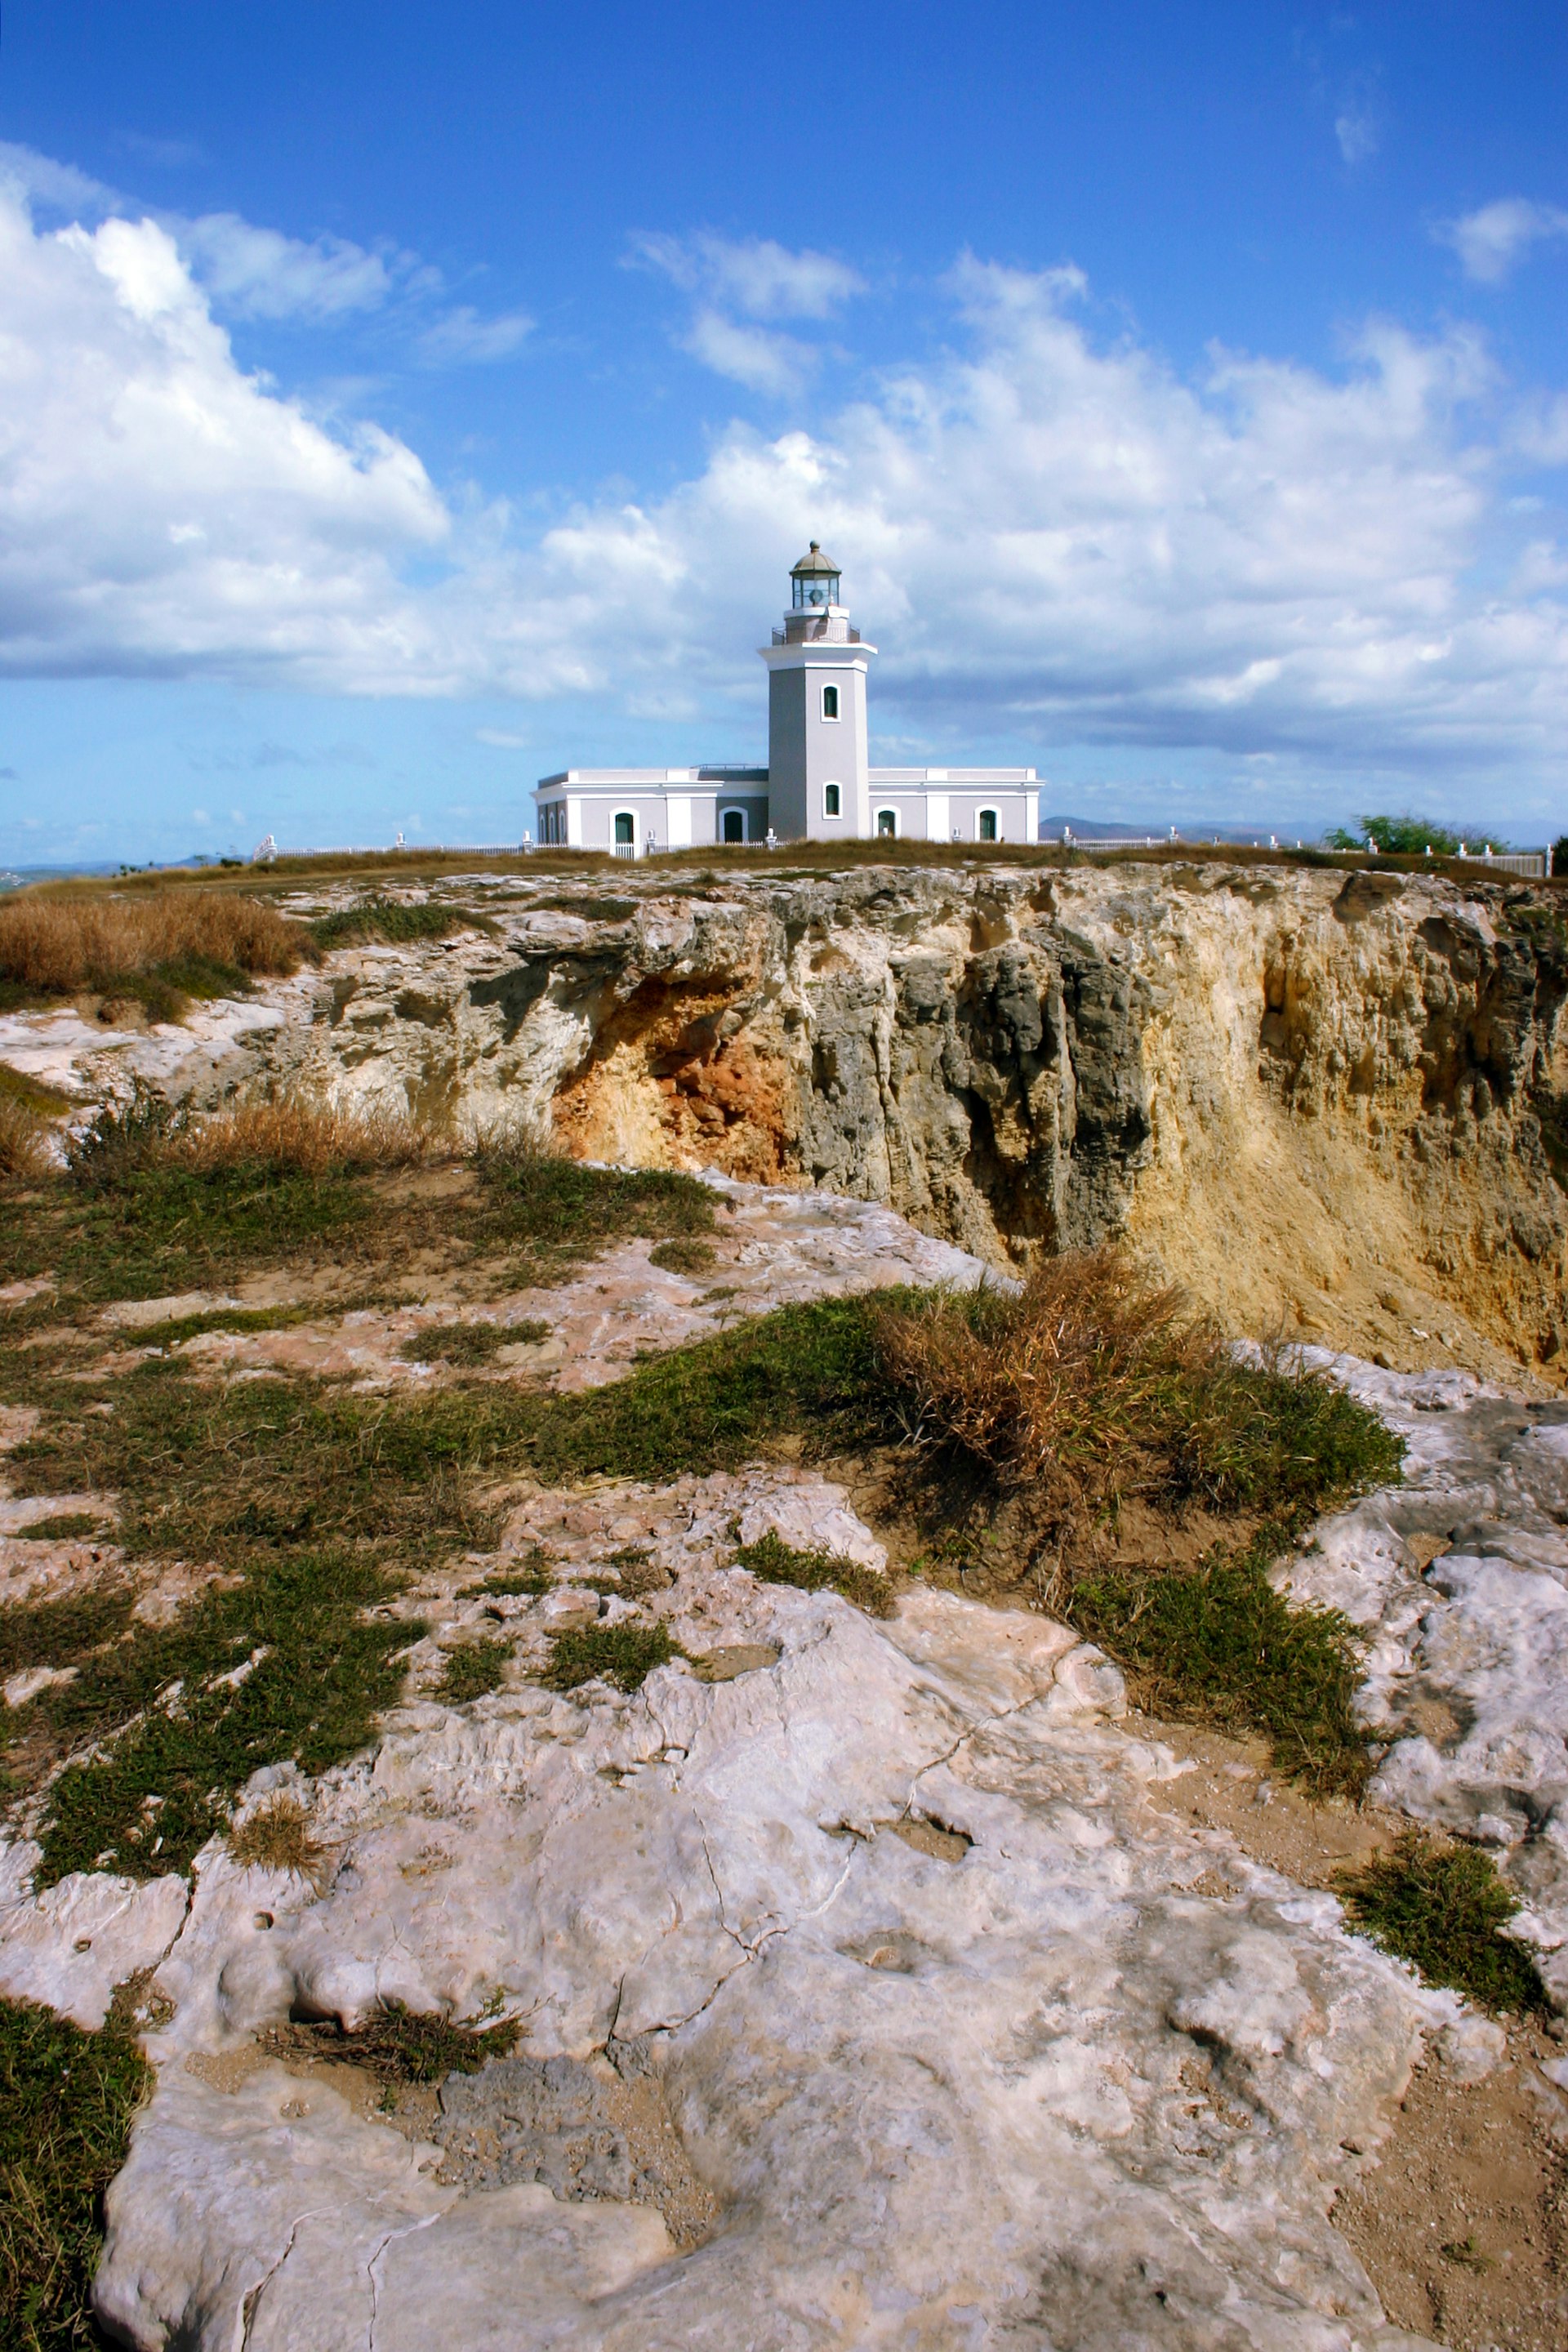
(1330,1105)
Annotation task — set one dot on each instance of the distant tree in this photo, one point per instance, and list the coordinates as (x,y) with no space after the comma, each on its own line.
(1412,836)
(1560,855)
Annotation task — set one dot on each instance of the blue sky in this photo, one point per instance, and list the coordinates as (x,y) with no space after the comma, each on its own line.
(397,403)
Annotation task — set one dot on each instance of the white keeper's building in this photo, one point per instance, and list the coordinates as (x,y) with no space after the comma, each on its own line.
(817,784)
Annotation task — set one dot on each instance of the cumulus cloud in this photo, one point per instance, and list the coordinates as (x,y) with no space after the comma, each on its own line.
(160,510)
(1493,240)
(1052,536)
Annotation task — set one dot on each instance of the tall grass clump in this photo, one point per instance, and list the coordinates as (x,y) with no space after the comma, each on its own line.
(23,1149)
(160,951)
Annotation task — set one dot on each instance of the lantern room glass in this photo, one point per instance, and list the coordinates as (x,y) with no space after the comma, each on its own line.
(815,591)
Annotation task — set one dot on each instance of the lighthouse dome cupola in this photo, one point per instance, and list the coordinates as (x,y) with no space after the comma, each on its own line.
(813,581)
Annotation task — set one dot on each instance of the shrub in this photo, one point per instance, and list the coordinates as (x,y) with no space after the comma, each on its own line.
(1442,1908)
(691,1257)
(1095,1383)
(1412,837)
(291,1135)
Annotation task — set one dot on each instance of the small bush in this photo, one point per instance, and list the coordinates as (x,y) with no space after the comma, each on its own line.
(472,1672)
(1441,1908)
(777,1562)
(147,1133)
(66,2100)
(624,1654)
(1218,1644)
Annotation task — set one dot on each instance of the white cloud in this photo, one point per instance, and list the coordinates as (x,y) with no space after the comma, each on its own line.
(1053,538)
(463,339)
(1491,240)
(257,273)
(160,511)
(752,275)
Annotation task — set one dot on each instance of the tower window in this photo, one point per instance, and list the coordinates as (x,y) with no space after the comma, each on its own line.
(888,824)
(986,825)
(830,801)
(830,702)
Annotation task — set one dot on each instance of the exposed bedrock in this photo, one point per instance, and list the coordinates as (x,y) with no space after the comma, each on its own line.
(1334,1106)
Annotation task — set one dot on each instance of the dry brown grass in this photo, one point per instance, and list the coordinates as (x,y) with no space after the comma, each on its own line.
(277,1836)
(22,1149)
(1064,1386)
(315,1138)
(59,946)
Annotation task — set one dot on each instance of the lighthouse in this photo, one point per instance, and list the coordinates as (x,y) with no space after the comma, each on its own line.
(818,778)
(816,785)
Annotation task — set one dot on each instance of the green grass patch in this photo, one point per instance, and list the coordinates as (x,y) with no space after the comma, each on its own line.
(714,1406)
(561,1212)
(283,1665)
(624,1654)
(683,1256)
(61,1633)
(470,1343)
(239,1319)
(1218,1644)
(64,1527)
(473,1671)
(395,922)
(1442,1908)
(532,1576)
(777,1562)
(66,2100)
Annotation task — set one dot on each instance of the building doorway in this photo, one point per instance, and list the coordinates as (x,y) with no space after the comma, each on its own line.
(626,833)
(888,824)
(986,825)
(733,823)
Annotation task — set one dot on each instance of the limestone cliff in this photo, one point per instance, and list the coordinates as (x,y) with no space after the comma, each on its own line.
(1330,1105)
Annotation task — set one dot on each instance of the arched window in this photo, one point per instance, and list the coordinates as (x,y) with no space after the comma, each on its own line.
(888,824)
(732,825)
(986,825)
(830,702)
(831,805)
(626,833)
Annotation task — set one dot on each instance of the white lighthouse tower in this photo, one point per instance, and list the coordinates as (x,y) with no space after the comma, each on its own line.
(818,781)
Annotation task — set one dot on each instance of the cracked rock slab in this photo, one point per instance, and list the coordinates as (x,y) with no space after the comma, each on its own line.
(1026,2079)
